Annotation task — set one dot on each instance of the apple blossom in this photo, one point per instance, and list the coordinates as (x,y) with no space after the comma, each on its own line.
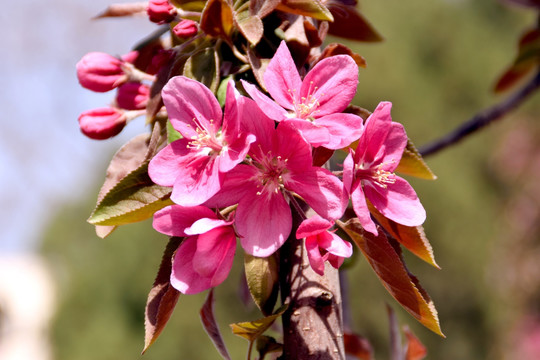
(102,123)
(160,11)
(133,96)
(100,72)
(185,29)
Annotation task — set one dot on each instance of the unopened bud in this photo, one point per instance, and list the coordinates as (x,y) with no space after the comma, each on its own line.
(100,72)
(102,123)
(160,11)
(133,96)
(185,29)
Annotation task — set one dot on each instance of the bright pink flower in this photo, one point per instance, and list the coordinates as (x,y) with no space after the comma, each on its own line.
(313,105)
(194,165)
(322,245)
(186,29)
(205,257)
(281,163)
(369,173)
(160,11)
(133,96)
(102,123)
(100,72)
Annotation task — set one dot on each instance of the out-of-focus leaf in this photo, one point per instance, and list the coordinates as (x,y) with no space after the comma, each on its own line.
(251,330)
(312,8)
(127,9)
(415,349)
(155,102)
(262,279)
(388,266)
(262,7)
(203,66)
(211,327)
(357,346)
(412,238)
(162,297)
(266,345)
(134,198)
(172,133)
(251,26)
(221,93)
(351,24)
(413,164)
(217,19)
(258,66)
(396,349)
(189,5)
(340,49)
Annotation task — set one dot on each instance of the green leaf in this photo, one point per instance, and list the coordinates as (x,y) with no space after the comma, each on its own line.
(311,8)
(413,164)
(203,66)
(172,133)
(189,5)
(162,298)
(392,273)
(221,94)
(134,198)
(211,327)
(251,330)
(262,279)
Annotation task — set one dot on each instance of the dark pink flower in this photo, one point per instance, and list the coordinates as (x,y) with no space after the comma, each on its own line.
(186,29)
(160,11)
(102,123)
(133,96)
(312,105)
(100,72)
(369,173)
(205,257)
(322,245)
(281,164)
(194,165)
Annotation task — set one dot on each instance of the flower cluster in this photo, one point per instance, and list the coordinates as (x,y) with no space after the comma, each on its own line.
(236,173)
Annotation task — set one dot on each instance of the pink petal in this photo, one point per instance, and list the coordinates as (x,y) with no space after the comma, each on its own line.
(237,183)
(254,121)
(231,122)
(204,225)
(186,100)
(169,163)
(333,83)
(321,190)
(312,226)
(289,144)
(397,202)
(312,133)
(183,277)
(343,129)
(361,209)
(335,245)
(175,219)
(395,143)
(281,77)
(335,261)
(267,105)
(314,255)
(200,181)
(348,172)
(264,222)
(235,152)
(375,132)
(215,254)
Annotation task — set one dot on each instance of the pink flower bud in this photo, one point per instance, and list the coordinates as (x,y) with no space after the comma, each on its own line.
(102,123)
(100,72)
(133,96)
(130,57)
(160,11)
(185,29)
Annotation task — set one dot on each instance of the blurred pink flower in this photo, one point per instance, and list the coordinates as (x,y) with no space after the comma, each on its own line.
(369,173)
(100,72)
(102,123)
(186,29)
(133,96)
(160,11)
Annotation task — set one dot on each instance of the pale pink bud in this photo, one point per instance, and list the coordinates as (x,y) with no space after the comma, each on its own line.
(160,11)
(100,72)
(133,96)
(102,123)
(186,29)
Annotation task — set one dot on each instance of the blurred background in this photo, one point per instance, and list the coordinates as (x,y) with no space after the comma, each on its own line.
(66,294)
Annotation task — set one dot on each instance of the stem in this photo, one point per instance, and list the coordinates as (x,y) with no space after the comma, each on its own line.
(483,118)
(249,350)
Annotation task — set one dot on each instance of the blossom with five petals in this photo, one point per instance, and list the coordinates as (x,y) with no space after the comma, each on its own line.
(323,245)
(194,165)
(205,257)
(313,105)
(368,172)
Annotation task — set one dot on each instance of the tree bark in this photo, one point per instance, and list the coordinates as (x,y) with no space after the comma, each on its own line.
(312,325)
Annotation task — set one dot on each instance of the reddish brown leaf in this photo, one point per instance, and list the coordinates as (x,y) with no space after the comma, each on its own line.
(321,155)
(512,76)
(258,66)
(413,164)
(412,238)
(340,49)
(351,24)
(415,349)
(211,327)
(217,19)
(262,7)
(312,8)
(162,297)
(388,266)
(358,346)
(128,9)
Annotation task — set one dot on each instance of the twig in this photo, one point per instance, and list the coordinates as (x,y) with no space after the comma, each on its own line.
(483,118)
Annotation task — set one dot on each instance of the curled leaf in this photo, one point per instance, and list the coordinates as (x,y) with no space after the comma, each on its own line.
(262,279)
(211,327)
(251,330)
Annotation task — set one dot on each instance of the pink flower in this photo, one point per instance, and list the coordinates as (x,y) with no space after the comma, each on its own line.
(369,173)
(205,257)
(322,245)
(160,11)
(102,123)
(194,165)
(281,164)
(133,96)
(313,105)
(100,72)
(185,29)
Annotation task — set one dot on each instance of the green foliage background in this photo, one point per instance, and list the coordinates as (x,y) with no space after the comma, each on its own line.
(437,65)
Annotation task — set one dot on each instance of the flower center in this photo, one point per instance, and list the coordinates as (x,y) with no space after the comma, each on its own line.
(376,175)
(305,107)
(272,169)
(208,140)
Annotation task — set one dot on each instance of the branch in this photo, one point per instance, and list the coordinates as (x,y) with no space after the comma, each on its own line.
(483,118)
